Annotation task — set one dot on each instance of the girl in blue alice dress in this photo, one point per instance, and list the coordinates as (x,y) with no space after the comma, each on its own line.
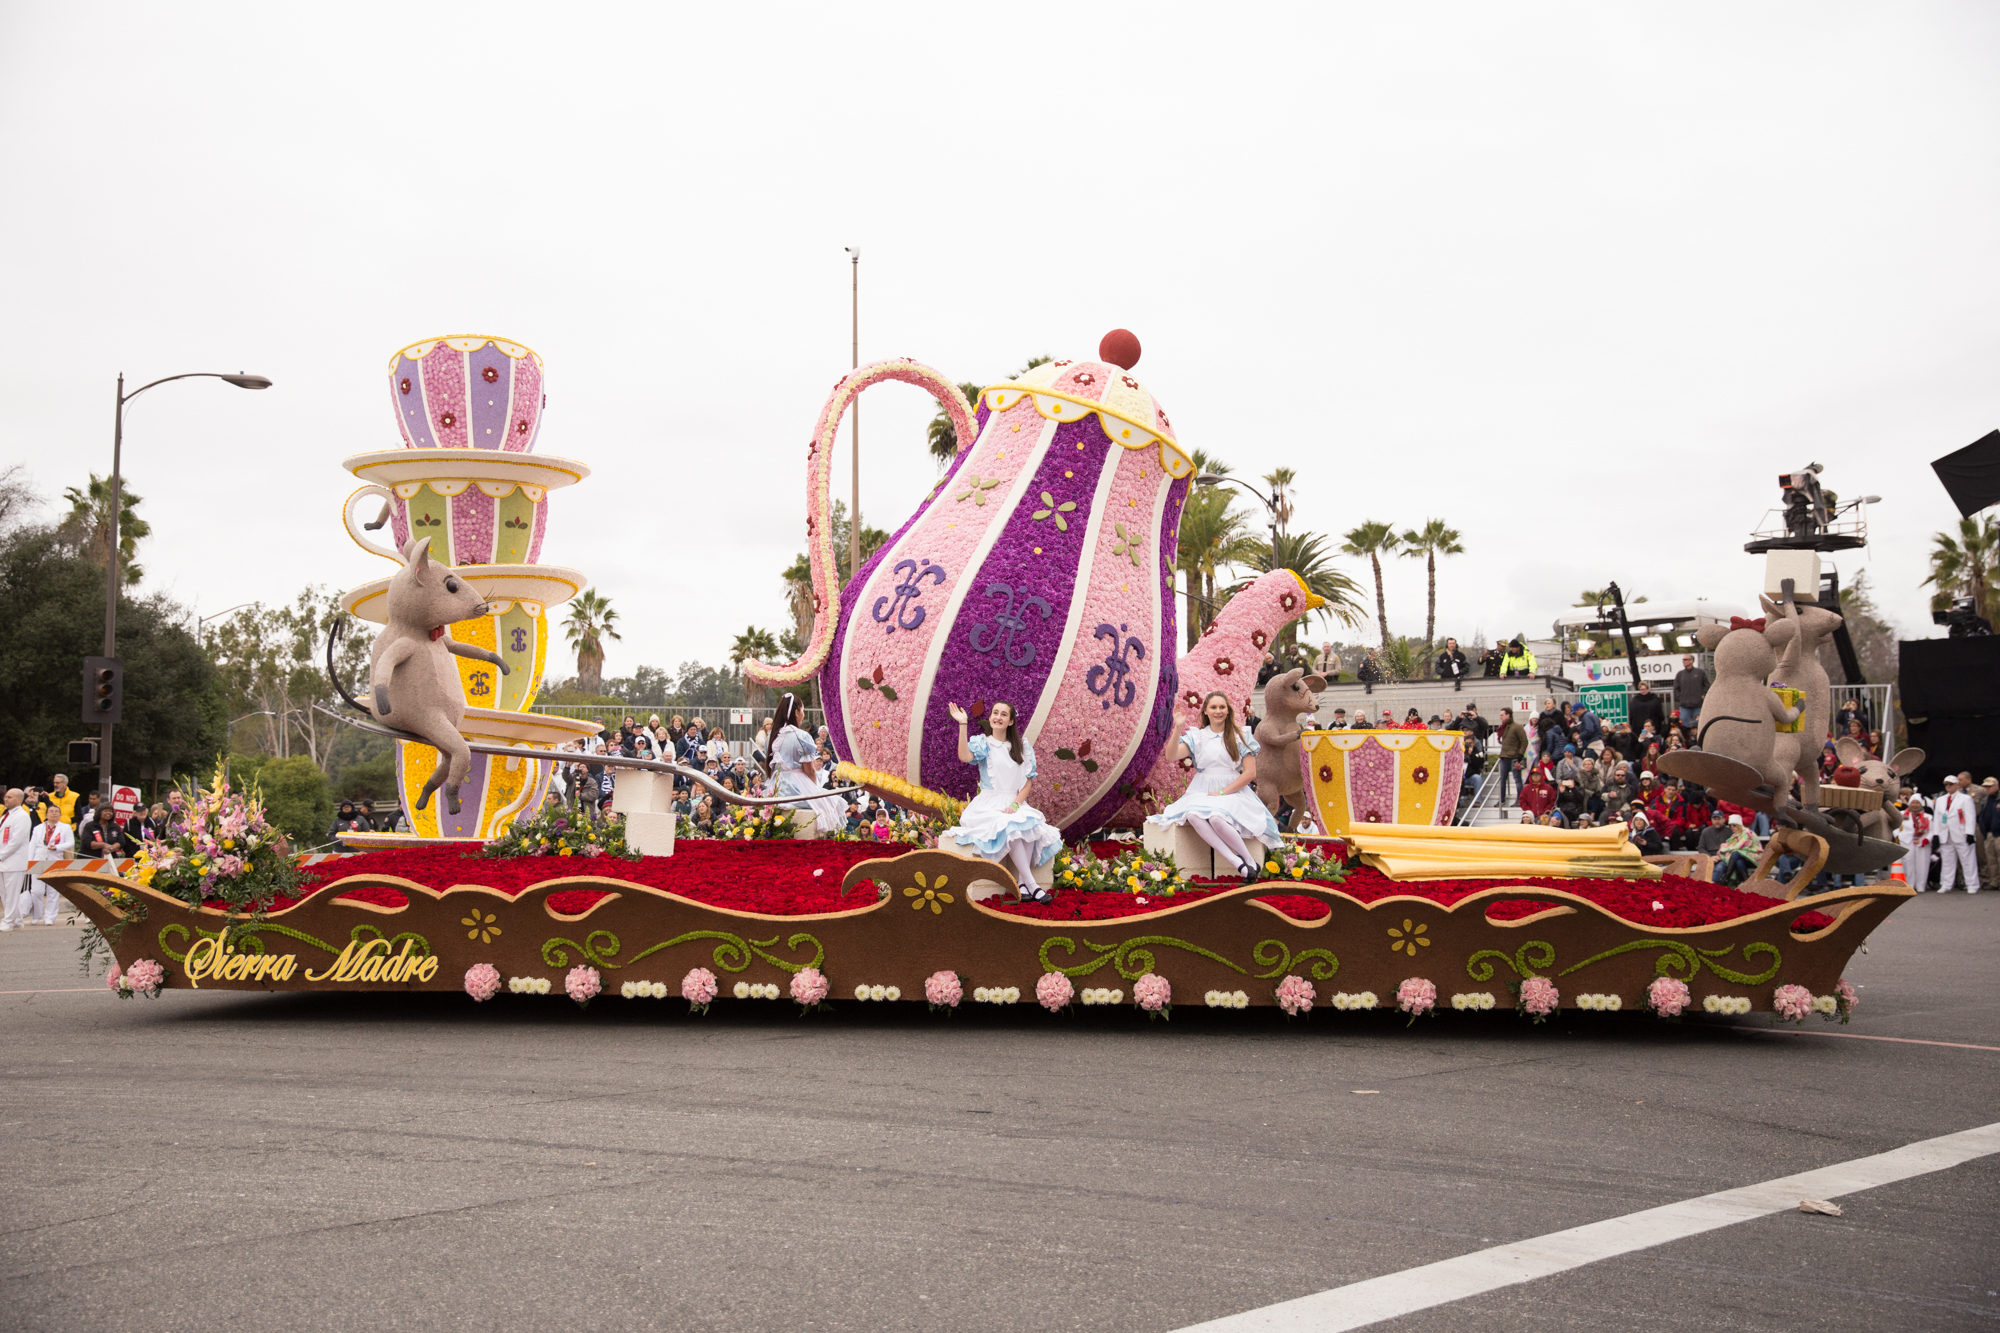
(1219,805)
(999,822)
(796,757)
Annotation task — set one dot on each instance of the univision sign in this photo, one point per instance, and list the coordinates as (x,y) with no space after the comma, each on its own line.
(1616,671)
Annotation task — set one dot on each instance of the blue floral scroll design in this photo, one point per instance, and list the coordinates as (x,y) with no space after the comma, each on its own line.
(998,636)
(903,612)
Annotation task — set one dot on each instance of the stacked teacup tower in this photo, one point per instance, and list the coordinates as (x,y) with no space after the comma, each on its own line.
(469,409)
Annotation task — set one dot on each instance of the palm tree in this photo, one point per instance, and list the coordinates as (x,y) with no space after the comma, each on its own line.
(753,644)
(1281,480)
(1427,543)
(943,438)
(1374,540)
(1212,534)
(942,435)
(799,598)
(1967,565)
(89,522)
(591,621)
(1305,554)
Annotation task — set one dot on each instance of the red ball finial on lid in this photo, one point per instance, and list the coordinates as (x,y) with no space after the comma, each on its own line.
(1120,347)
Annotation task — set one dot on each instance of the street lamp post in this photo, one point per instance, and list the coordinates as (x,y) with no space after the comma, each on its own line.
(241,381)
(854,416)
(200,622)
(1270,503)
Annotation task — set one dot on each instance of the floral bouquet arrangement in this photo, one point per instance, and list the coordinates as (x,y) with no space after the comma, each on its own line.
(217,845)
(1136,871)
(560,831)
(758,824)
(913,830)
(1303,861)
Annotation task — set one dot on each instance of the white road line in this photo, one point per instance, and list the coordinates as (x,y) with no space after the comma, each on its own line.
(1362,1303)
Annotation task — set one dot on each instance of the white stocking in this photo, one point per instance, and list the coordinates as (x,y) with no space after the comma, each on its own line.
(1024,866)
(1231,839)
(1215,836)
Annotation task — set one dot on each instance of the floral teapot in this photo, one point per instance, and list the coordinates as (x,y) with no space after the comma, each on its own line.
(1040,572)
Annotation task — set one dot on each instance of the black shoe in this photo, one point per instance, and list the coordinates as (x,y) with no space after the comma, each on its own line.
(1035,893)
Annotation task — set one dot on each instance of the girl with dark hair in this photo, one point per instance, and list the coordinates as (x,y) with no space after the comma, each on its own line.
(797,761)
(999,822)
(1219,805)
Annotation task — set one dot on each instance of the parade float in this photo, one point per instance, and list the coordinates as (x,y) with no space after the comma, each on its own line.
(1039,571)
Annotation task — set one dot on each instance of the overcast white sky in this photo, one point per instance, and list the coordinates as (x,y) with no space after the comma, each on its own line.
(1538,270)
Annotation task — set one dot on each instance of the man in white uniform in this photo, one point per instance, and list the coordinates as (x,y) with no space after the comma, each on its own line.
(52,840)
(1956,826)
(14,829)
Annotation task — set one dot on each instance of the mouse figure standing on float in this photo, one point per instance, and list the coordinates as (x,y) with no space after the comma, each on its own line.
(999,822)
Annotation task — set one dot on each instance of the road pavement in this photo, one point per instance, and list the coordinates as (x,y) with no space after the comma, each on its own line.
(219,1161)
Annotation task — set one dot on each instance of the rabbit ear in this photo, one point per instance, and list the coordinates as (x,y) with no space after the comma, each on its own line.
(1315,683)
(1850,751)
(1907,761)
(419,558)
(1771,608)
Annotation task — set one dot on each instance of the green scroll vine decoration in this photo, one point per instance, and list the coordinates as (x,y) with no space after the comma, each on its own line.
(1688,961)
(733,954)
(1323,968)
(249,938)
(1536,956)
(1527,961)
(1132,958)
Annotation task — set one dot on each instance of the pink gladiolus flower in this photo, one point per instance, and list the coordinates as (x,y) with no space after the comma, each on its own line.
(146,977)
(1296,995)
(1152,992)
(583,983)
(1053,991)
(698,987)
(1792,1002)
(482,981)
(809,986)
(1668,996)
(944,989)
(1416,996)
(1539,997)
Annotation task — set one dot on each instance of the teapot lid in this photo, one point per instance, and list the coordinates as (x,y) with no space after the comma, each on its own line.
(1066,390)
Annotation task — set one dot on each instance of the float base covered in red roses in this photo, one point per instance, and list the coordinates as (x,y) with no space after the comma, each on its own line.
(768,920)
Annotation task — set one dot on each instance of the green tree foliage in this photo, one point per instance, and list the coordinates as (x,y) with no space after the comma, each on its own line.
(296,795)
(942,438)
(1212,534)
(273,660)
(52,602)
(1427,543)
(1374,540)
(88,524)
(591,621)
(1967,565)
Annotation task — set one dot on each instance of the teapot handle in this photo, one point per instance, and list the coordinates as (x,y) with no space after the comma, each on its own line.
(347,517)
(819,523)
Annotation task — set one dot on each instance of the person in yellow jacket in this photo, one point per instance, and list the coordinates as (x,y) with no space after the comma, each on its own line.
(1517,661)
(63,797)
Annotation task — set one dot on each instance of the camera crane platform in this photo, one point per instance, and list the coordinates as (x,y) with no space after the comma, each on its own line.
(1812,521)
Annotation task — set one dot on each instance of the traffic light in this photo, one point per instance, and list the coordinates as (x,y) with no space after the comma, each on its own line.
(103,689)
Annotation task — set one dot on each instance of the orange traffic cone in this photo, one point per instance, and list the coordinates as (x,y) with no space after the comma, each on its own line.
(1896,874)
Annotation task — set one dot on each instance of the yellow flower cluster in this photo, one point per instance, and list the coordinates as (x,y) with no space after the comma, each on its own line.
(907,793)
